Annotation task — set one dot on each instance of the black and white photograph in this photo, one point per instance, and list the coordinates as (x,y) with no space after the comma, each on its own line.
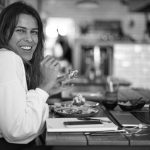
(74,74)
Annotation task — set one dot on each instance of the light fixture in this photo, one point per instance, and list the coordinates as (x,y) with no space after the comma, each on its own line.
(87,4)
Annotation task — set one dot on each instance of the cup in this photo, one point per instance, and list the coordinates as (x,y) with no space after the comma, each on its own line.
(111,96)
(111,100)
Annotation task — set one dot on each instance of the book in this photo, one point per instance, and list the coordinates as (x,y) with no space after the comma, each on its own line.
(125,119)
(76,125)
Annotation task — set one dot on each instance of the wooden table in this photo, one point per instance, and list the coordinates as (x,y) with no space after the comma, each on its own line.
(116,141)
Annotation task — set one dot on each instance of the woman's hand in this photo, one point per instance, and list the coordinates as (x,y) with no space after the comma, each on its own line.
(64,82)
(49,70)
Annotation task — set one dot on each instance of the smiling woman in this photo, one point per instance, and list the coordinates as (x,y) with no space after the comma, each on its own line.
(27,79)
(25,37)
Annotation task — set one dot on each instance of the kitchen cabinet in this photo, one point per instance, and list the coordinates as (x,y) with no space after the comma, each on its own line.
(84,47)
(125,60)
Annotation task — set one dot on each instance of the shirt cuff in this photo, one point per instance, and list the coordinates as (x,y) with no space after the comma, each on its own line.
(43,95)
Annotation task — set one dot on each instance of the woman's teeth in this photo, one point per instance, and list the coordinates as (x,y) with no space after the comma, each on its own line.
(26,47)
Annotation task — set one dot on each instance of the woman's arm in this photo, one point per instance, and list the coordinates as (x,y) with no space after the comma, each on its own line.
(22,112)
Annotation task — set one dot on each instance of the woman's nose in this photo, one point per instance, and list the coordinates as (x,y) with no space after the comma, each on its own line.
(28,37)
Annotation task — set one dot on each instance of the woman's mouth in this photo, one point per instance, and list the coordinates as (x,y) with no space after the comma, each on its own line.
(26,48)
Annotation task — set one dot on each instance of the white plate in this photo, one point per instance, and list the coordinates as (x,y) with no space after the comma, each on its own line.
(67,109)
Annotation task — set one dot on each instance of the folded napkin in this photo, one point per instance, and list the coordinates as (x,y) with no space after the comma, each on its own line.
(144,92)
(128,94)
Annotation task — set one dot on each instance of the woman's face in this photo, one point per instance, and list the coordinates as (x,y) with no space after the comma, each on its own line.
(25,37)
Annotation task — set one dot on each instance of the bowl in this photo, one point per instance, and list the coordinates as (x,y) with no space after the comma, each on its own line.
(126,106)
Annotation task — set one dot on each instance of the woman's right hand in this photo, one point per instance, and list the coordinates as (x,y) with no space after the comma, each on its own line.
(49,69)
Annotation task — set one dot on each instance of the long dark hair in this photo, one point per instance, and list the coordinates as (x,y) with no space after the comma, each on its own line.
(8,21)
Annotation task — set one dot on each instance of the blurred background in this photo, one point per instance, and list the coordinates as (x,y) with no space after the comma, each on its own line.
(98,37)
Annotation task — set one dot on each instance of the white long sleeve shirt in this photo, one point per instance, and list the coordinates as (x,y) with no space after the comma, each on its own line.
(22,112)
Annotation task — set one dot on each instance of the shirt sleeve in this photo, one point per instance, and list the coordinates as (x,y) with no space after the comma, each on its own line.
(22,112)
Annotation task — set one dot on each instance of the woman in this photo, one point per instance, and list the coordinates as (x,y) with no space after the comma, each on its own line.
(26,79)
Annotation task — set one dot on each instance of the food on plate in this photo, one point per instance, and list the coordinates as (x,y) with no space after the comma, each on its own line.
(78,100)
(78,106)
(127,103)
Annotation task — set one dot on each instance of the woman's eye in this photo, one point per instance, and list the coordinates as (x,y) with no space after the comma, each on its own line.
(20,31)
(34,32)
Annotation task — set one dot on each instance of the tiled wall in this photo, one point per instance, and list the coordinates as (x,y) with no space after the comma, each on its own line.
(132,62)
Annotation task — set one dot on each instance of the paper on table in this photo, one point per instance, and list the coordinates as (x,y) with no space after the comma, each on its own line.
(57,125)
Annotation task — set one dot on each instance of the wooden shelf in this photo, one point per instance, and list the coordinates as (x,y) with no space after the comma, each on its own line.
(96,42)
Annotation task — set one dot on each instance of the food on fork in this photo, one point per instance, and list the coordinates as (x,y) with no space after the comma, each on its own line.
(73,74)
